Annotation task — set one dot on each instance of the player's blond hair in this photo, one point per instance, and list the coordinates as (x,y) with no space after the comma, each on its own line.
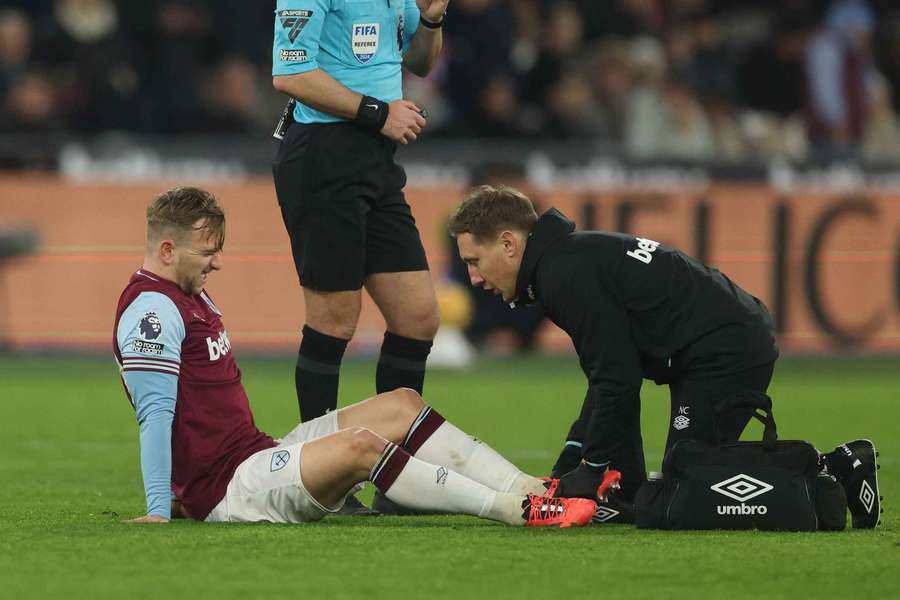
(487,210)
(178,212)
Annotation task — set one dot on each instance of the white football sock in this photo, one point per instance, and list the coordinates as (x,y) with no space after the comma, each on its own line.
(427,487)
(453,448)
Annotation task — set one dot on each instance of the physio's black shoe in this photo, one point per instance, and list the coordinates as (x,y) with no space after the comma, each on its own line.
(854,466)
(353,507)
(613,508)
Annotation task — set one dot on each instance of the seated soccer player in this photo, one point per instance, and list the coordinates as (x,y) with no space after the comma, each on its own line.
(197,435)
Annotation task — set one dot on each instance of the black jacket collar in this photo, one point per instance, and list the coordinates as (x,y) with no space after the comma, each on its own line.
(552,226)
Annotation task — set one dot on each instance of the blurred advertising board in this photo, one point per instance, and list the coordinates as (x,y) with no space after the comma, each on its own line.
(826,263)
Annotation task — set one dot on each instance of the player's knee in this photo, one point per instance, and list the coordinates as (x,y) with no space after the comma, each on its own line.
(364,445)
(404,404)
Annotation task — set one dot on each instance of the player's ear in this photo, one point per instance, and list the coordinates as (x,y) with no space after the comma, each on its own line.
(166,252)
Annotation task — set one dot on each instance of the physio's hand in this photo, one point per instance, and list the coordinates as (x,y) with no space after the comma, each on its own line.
(569,458)
(404,123)
(432,10)
(581,482)
(148,519)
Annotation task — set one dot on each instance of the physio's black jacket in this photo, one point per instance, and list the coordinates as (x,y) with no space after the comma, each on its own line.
(637,309)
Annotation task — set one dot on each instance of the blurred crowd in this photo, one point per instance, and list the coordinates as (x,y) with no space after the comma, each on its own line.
(659,79)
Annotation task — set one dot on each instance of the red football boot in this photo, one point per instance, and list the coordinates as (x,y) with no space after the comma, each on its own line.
(541,511)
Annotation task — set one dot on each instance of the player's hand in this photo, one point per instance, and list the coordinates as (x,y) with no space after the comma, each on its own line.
(432,10)
(404,122)
(178,510)
(148,519)
(581,482)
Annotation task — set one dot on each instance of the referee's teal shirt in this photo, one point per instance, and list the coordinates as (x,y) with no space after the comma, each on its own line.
(360,43)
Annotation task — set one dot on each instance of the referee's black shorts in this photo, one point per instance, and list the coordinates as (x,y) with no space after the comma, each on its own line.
(341,198)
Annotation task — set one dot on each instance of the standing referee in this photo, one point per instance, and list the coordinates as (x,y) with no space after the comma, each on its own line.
(339,189)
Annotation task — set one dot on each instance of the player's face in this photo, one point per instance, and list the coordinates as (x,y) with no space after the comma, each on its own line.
(197,258)
(492,265)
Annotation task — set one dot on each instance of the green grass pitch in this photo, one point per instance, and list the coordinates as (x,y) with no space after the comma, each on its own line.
(69,474)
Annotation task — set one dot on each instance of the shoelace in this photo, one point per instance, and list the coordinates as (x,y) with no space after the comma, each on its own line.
(543,508)
(550,484)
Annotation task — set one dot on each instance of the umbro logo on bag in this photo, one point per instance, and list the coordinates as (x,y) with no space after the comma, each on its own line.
(742,487)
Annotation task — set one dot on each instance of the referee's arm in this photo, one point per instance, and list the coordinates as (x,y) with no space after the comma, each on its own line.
(319,90)
(424,51)
(322,92)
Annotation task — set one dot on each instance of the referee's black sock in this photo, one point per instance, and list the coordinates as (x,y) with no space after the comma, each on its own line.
(402,363)
(316,375)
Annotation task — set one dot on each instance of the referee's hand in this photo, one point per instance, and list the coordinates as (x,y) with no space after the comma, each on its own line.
(404,123)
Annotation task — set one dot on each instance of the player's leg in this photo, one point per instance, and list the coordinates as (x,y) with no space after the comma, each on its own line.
(398,280)
(303,480)
(331,466)
(334,462)
(402,417)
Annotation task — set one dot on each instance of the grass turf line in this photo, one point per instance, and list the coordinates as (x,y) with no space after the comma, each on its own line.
(70,473)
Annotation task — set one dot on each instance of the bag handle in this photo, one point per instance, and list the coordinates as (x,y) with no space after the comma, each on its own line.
(762,411)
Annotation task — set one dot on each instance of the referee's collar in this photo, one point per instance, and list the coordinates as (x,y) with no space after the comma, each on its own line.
(550,228)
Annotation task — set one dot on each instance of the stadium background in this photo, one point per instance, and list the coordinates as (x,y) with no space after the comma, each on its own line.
(695,123)
(692,122)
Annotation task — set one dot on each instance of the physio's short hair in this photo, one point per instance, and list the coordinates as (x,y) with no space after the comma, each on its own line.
(488,210)
(175,214)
